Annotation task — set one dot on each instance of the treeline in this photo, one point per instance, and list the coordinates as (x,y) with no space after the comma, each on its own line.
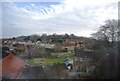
(54,38)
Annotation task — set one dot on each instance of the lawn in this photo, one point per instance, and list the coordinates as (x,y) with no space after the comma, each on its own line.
(69,54)
(45,61)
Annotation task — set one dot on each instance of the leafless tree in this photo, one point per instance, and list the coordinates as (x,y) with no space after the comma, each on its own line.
(108,31)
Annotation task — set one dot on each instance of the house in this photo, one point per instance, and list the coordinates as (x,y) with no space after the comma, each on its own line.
(19,47)
(46,45)
(69,48)
(11,66)
(69,42)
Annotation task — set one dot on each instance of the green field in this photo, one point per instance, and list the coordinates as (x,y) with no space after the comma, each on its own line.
(45,61)
(69,54)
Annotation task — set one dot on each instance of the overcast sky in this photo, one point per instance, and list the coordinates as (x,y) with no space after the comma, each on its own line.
(80,17)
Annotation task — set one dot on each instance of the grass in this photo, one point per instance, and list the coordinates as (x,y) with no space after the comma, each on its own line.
(69,54)
(45,61)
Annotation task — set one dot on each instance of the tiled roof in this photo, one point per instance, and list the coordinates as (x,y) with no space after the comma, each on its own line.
(12,66)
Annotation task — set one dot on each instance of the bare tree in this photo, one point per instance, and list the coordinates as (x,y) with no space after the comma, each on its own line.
(109,34)
(108,31)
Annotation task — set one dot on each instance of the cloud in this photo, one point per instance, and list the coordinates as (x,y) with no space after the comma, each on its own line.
(81,17)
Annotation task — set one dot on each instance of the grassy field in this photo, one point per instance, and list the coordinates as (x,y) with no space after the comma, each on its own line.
(69,54)
(45,61)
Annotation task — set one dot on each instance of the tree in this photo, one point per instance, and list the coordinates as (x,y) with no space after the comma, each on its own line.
(72,36)
(27,38)
(107,37)
(14,38)
(108,31)
(66,36)
(44,37)
(39,39)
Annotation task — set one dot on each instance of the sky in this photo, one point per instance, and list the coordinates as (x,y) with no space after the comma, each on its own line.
(80,17)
